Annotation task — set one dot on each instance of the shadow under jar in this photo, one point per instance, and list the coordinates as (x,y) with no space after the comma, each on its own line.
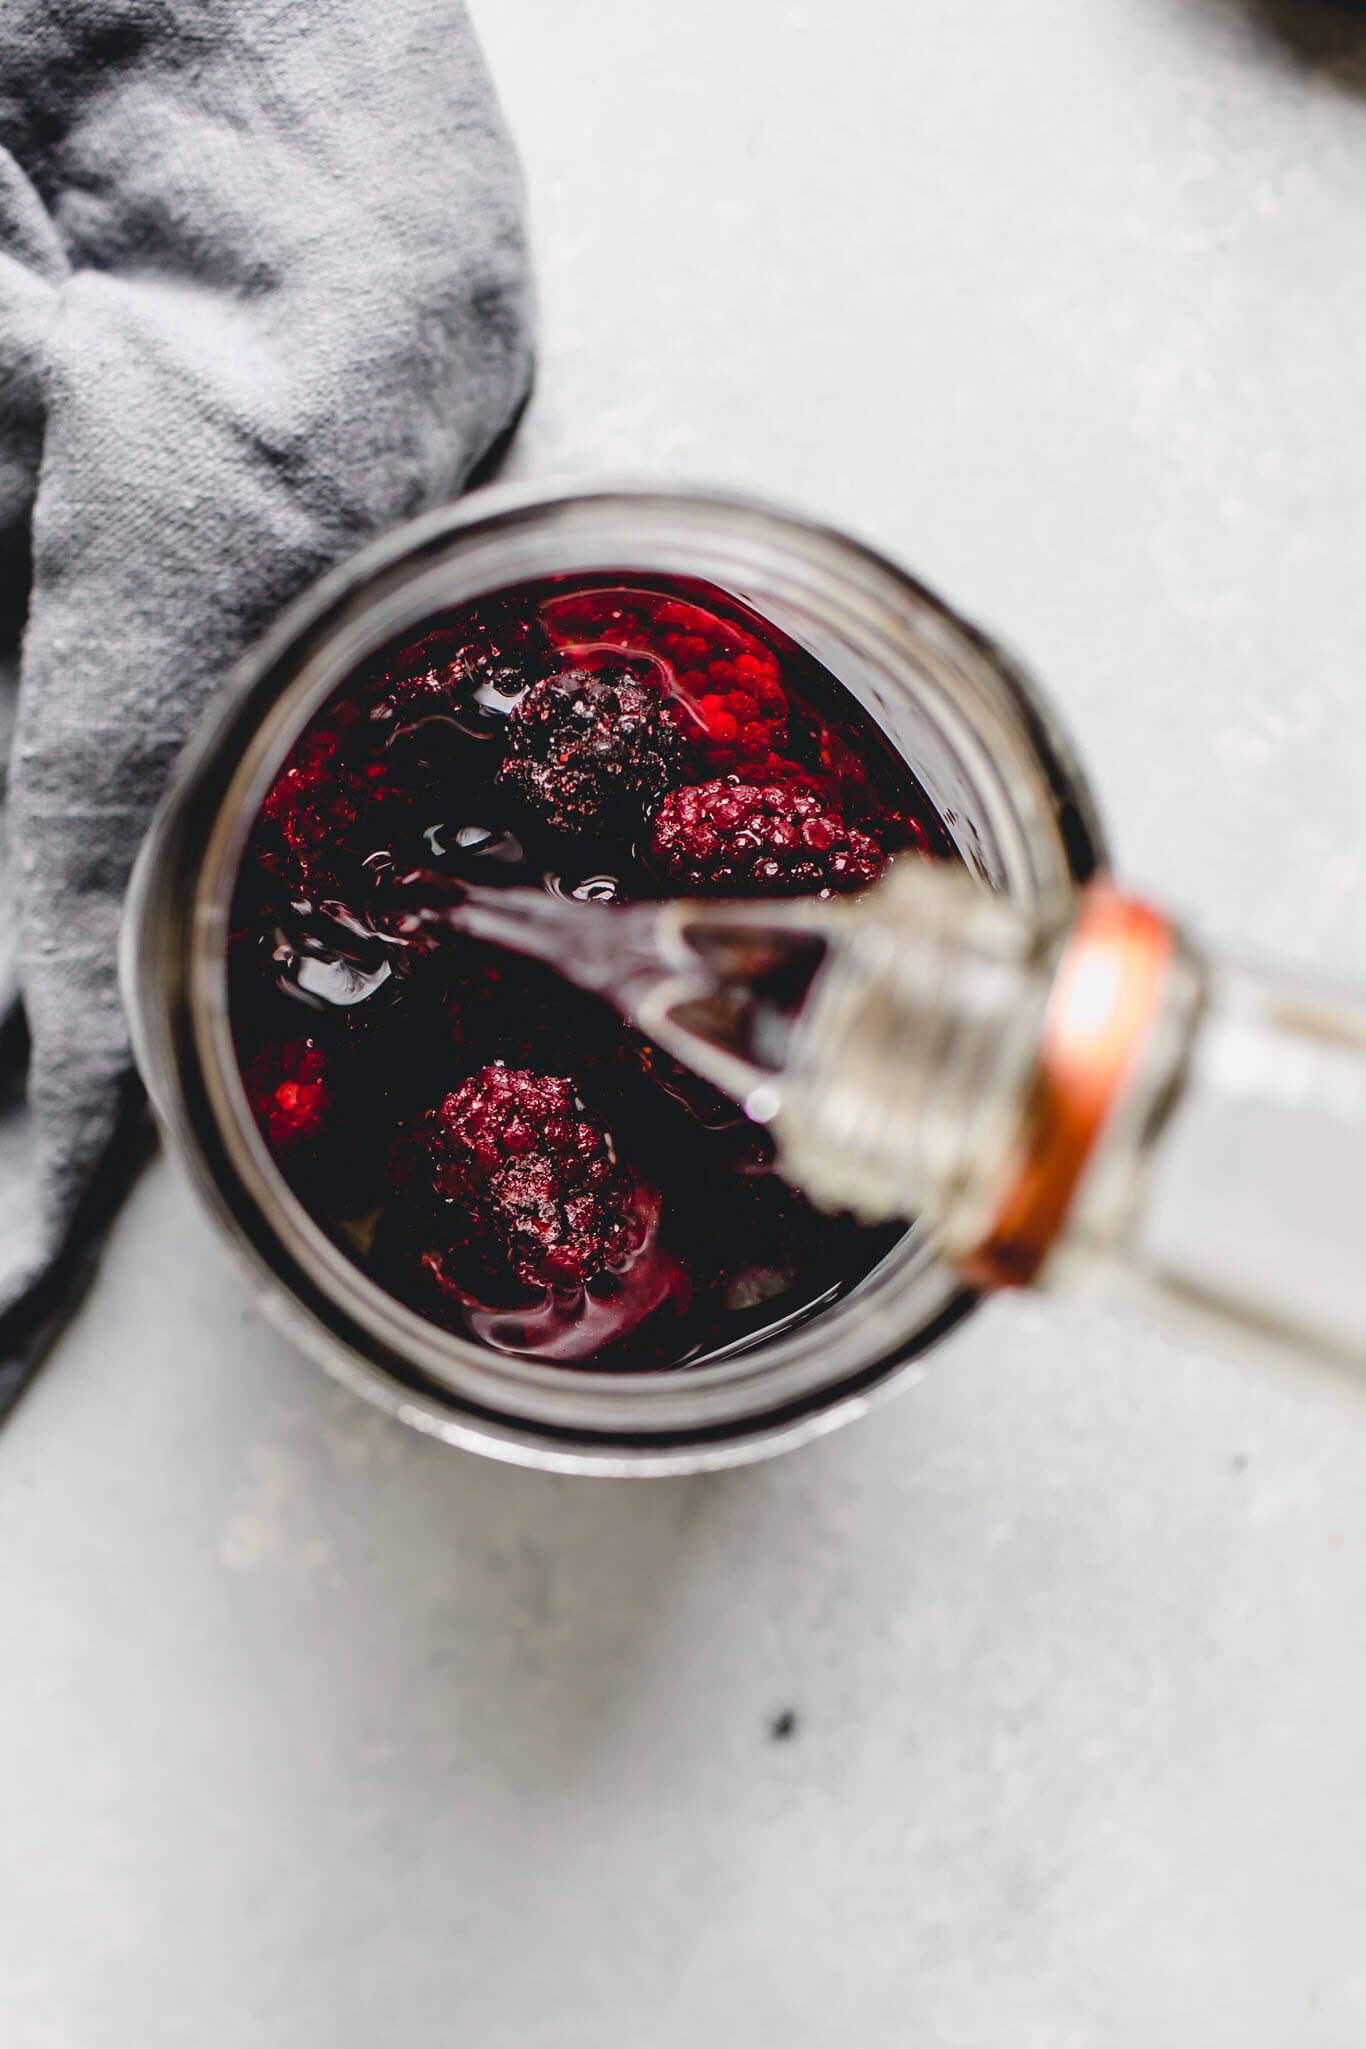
(892,711)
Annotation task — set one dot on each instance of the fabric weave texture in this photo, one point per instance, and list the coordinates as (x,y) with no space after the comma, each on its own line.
(263,293)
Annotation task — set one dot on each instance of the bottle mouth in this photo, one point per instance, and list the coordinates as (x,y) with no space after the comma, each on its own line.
(1109,984)
(976,731)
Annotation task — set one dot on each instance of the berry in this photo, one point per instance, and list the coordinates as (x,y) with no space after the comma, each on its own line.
(312,805)
(737,711)
(288,1091)
(307,831)
(592,749)
(536,1172)
(727,694)
(497,645)
(727,837)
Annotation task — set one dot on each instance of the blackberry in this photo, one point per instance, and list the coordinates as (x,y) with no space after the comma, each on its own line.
(319,818)
(730,838)
(312,807)
(592,749)
(496,645)
(535,1172)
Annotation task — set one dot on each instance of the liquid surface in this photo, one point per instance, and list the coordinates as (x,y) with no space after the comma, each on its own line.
(494,1147)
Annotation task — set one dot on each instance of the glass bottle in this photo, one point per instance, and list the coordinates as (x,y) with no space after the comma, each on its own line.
(1058,1087)
(1073,1094)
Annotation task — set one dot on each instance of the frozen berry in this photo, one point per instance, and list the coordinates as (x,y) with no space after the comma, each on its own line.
(288,1091)
(734,710)
(727,837)
(537,1172)
(315,827)
(592,749)
(312,806)
(497,645)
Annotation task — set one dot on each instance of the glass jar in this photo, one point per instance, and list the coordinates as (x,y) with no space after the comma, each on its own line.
(982,741)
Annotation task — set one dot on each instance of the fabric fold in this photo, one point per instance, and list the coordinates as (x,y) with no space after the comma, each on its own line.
(263,292)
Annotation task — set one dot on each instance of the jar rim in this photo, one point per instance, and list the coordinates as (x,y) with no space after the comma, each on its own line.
(773,1392)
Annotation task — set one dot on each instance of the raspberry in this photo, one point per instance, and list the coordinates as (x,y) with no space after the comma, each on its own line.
(727,837)
(536,1172)
(307,827)
(591,749)
(737,711)
(494,645)
(312,805)
(288,1091)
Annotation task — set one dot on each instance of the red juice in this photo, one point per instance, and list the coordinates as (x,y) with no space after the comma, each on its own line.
(494,1148)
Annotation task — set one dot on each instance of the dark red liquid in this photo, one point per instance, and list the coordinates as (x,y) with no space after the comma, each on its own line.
(351,1039)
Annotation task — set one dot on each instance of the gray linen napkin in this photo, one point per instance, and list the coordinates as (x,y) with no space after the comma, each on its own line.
(263,291)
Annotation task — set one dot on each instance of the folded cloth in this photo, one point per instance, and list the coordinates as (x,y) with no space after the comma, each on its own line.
(263,291)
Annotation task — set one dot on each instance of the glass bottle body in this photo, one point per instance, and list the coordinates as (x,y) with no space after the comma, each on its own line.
(1232,1189)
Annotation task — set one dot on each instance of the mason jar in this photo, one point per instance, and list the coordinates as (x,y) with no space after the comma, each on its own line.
(984,745)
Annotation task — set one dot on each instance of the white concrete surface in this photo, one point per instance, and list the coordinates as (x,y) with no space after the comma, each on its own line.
(312,1733)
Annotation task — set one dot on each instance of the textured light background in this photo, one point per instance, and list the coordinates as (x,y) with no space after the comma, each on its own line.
(312,1732)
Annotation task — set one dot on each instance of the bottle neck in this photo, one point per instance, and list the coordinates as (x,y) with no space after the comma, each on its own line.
(910,1075)
(1114,976)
